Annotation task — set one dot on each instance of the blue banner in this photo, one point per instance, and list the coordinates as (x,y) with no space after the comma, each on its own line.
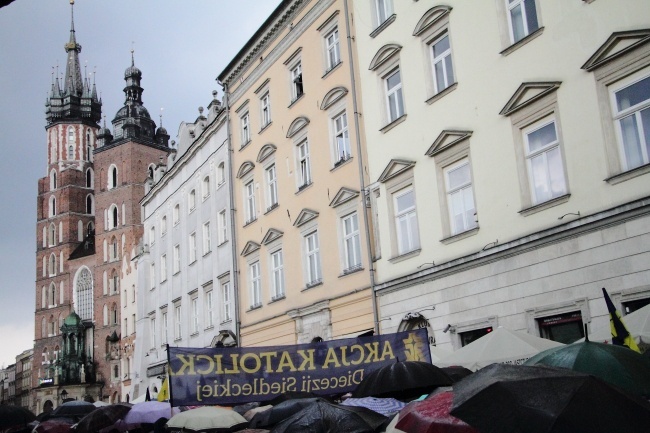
(223,375)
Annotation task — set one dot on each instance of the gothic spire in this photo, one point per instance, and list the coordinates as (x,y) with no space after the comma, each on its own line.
(73,81)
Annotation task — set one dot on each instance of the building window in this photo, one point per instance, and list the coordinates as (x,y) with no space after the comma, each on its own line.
(473,335)
(313,259)
(221,174)
(205,187)
(333,49)
(207,240)
(342,138)
(265,108)
(209,308)
(152,331)
(115,283)
(163,226)
(176,214)
(221,226)
(277,272)
(383,10)
(191,201)
(226,304)
(296,82)
(152,276)
(564,328)
(394,101)
(178,324)
(249,199)
(176,257)
(53,180)
(522,18)
(245,129)
(89,204)
(52,265)
(351,242)
(113,251)
(112,177)
(256,284)
(114,314)
(84,296)
(406,226)
(631,107)
(460,197)
(271,187)
(163,268)
(113,215)
(544,161)
(304,164)
(195,315)
(443,69)
(52,210)
(165,328)
(192,251)
(89,178)
(52,235)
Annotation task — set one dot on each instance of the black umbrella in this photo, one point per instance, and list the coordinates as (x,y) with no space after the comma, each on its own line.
(456,372)
(536,399)
(102,417)
(14,416)
(72,409)
(325,417)
(280,412)
(402,380)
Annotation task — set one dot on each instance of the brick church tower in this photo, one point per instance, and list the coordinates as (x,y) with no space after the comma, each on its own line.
(88,229)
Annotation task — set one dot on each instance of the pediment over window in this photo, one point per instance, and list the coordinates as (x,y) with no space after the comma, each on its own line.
(615,46)
(297,125)
(271,235)
(250,247)
(343,196)
(384,53)
(394,168)
(431,17)
(528,93)
(244,169)
(333,96)
(266,151)
(447,139)
(305,216)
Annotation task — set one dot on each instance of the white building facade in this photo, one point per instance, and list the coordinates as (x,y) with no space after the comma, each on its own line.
(184,270)
(508,147)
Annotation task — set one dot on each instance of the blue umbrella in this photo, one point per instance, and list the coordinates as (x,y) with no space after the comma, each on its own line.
(384,406)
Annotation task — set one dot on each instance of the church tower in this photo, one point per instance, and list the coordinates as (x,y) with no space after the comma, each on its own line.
(65,225)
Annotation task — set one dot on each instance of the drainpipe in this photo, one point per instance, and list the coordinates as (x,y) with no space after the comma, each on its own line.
(362,183)
(233,245)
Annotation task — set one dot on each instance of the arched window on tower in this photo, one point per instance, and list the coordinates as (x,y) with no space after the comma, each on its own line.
(114,282)
(52,265)
(150,171)
(51,235)
(52,210)
(70,152)
(43,332)
(114,314)
(91,228)
(52,294)
(83,302)
(113,249)
(89,178)
(43,297)
(53,180)
(105,314)
(89,204)
(114,219)
(112,177)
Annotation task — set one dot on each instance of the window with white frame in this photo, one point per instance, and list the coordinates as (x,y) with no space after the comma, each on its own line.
(226,301)
(631,110)
(255,284)
(460,197)
(443,69)
(163,268)
(522,18)
(209,309)
(191,201)
(304,164)
(165,327)
(341,138)
(192,246)
(265,109)
(297,88)
(351,242)
(249,199)
(205,187)
(383,10)
(195,315)
(152,235)
(178,324)
(152,276)
(112,177)
(221,226)
(176,214)
(176,257)
(163,226)
(544,161)
(207,239)
(271,187)
(245,128)
(406,225)
(333,49)
(152,332)
(277,274)
(394,100)
(312,250)
(221,174)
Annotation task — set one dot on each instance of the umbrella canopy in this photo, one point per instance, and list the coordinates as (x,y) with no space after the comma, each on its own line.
(500,345)
(148,412)
(438,354)
(14,416)
(280,412)
(432,416)
(325,417)
(457,372)
(102,417)
(402,380)
(73,409)
(100,404)
(385,406)
(504,398)
(637,324)
(617,365)
(58,425)
(216,419)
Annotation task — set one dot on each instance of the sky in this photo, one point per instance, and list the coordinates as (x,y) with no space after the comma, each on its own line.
(180,47)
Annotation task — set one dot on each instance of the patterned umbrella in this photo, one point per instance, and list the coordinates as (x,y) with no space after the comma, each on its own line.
(102,417)
(385,406)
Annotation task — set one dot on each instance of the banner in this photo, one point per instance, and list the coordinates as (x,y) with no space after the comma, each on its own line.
(223,375)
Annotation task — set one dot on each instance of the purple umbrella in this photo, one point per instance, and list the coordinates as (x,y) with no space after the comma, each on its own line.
(148,412)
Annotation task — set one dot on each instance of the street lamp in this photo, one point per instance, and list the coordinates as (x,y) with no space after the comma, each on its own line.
(64,394)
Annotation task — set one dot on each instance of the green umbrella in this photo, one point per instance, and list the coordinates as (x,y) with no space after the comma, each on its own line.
(616,365)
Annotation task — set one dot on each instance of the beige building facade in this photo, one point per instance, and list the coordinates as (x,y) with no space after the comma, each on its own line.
(299,213)
(508,155)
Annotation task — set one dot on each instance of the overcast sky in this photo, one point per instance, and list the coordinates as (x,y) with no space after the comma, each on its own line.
(180,47)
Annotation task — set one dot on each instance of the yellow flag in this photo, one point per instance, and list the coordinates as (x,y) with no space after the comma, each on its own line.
(620,335)
(163,394)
